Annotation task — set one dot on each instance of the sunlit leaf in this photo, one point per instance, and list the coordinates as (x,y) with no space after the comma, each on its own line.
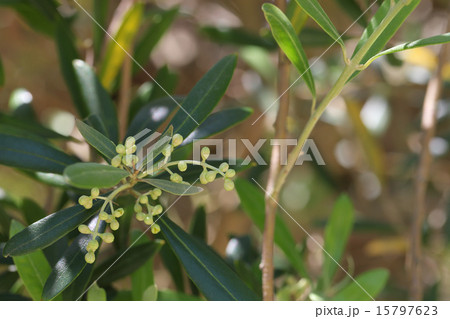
(95,293)
(122,43)
(373,282)
(287,39)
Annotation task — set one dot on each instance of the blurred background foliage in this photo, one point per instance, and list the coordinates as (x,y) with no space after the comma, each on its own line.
(369,137)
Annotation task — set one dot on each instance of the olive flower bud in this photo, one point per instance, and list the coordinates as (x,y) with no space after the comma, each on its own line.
(182,166)
(89,257)
(130,142)
(120,149)
(84,229)
(107,237)
(116,161)
(228,184)
(230,173)
(205,153)
(155,229)
(224,167)
(177,139)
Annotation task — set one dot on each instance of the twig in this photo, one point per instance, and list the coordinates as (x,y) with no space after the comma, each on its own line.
(280,133)
(428,125)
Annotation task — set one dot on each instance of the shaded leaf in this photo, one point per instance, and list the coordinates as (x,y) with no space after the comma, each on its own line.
(337,232)
(49,229)
(97,140)
(236,36)
(97,98)
(71,265)
(173,265)
(160,24)
(373,281)
(20,104)
(253,203)
(33,268)
(169,295)
(142,278)
(287,39)
(219,122)
(100,8)
(23,150)
(151,293)
(173,188)
(31,211)
(90,175)
(204,97)
(118,267)
(198,224)
(215,279)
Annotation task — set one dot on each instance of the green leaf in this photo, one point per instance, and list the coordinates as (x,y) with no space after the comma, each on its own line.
(142,278)
(97,140)
(2,73)
(353,10)
(437,39)
(118,267)
(315,11)
(90,175)
(96,293)
(253,204)
(388,32)
(151,293)
(46,231)
(167,81)
(153,114)
(215,279)
(96,98)
(23,150)
(373,281)
(20,104)
(67,54)
(173,188)
(122,43)
(71,265)
(173,265)
(198,224)
(287,39)
(337,232)
(161,22)
(219,122)
(33,268)
(204,97)
(22,120)
(100,8)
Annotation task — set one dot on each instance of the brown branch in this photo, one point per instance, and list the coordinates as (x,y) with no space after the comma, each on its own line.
(280,133)
(415,258)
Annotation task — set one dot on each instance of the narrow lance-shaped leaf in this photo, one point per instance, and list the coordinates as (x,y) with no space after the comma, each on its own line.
(159,26)
(373,282)
(215,279)
(23,150)
(48,230)
(219,122)
(337,232)
(32,268)
(100,16)
(71,264)
(204,97)
(97,98)
(437,39)
(287,39)
(67,52)
(388,32)
(118,267)
(142,278)
(90,175)
(97,140)
(252,201)
(122,43)
(173,188)
(315,11)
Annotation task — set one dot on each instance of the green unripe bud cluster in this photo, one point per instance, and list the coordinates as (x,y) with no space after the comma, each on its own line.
(125,154)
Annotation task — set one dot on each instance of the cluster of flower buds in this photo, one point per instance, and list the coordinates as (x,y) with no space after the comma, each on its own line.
(87,201)
(93,244)
(210,176)
(126,154)
(111,219)
(145,212)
